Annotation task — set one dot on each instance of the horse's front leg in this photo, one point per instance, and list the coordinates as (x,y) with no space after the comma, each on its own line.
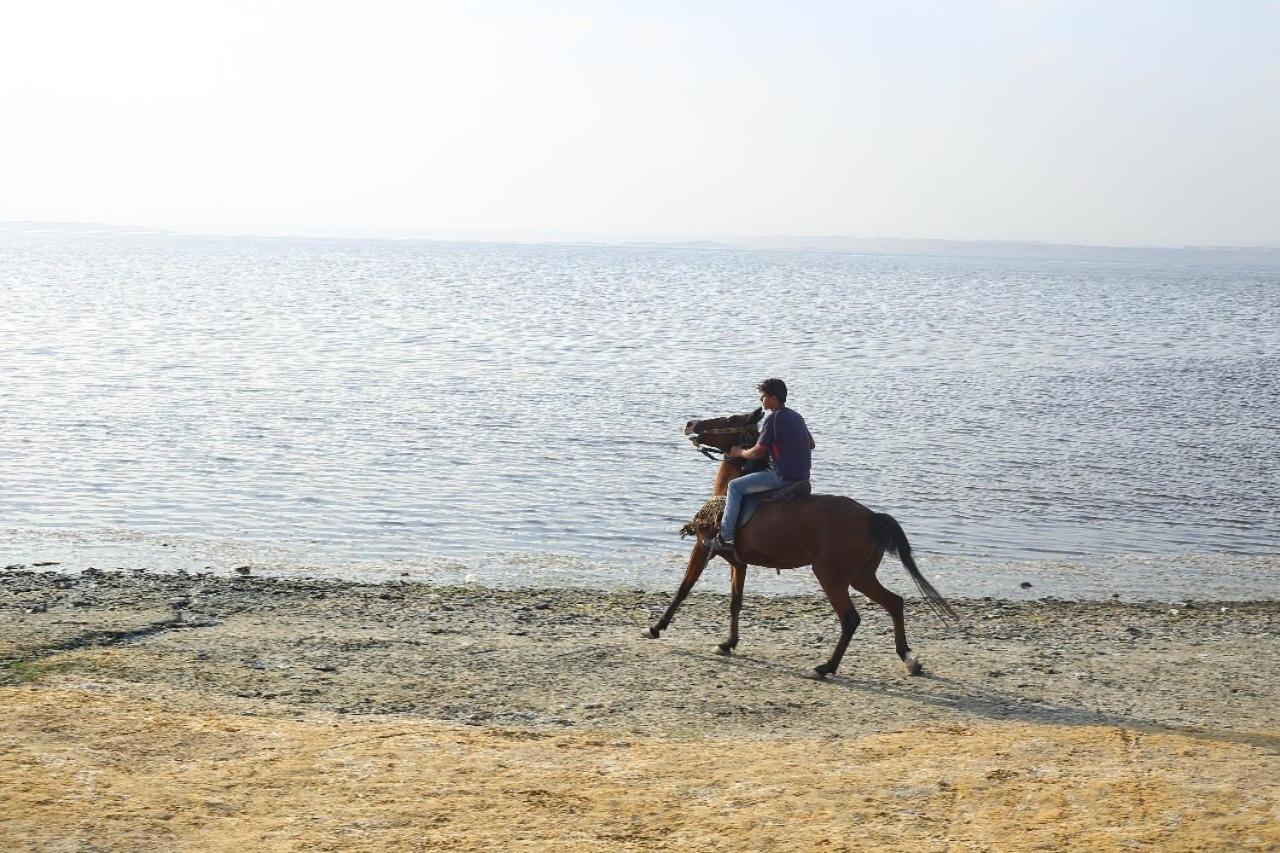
(698,559)
(738,579)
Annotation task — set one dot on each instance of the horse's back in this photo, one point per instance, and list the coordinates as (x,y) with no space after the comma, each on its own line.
(818,506)
(801,531)
(838,505)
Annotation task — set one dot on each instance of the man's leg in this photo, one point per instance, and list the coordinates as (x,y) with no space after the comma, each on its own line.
(761,481)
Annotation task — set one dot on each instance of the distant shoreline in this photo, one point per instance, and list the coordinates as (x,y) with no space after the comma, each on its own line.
(1261,256)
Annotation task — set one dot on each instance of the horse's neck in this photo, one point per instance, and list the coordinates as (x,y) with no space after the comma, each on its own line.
(726,473)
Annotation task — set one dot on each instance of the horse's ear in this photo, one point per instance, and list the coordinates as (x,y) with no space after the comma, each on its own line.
(754,417)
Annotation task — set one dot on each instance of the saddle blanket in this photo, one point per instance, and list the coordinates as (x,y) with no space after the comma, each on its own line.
(707,519)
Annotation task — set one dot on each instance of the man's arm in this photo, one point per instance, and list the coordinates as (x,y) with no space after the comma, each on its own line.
(750,453)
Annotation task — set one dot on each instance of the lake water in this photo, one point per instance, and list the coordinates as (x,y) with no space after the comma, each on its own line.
(512,414)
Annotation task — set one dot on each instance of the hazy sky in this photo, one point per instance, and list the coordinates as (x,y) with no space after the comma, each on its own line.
(1151,123)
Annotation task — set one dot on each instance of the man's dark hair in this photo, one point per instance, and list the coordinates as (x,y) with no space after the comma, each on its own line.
(774,388)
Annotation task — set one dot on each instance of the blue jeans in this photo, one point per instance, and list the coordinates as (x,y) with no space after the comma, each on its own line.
(750,484)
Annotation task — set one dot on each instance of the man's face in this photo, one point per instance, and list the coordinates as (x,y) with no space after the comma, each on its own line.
(770,402)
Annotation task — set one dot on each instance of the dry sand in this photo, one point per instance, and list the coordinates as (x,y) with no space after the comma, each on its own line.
(191,712)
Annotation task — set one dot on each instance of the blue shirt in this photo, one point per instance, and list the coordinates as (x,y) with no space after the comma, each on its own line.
(789,443)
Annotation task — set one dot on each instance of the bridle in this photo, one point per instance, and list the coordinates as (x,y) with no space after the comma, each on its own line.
(707,450)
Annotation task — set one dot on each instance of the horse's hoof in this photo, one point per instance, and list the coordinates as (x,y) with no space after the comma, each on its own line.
(723,650)
(816,675)
(913,666)
(650,634)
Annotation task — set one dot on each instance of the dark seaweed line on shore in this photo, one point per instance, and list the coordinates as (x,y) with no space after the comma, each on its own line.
(9,666)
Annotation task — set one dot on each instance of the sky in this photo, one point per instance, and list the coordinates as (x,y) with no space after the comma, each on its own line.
(1114,123)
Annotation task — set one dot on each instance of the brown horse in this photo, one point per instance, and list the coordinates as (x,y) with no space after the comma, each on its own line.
(843,541)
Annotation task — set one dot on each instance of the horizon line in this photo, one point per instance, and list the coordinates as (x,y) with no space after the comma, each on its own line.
(517,236)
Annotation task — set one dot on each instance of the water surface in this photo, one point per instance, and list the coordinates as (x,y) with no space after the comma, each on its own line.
(512,414)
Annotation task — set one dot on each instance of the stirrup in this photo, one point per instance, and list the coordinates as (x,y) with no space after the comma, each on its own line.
(721,547)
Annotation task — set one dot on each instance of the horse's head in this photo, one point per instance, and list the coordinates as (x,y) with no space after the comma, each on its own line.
(723,433)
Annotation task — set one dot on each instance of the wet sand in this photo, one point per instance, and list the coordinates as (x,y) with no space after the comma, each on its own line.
(143,712)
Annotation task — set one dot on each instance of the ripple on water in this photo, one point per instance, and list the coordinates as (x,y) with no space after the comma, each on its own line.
(359,401)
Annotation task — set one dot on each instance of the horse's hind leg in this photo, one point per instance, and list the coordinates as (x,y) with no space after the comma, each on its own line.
(739,578)
(891,602)
(836,586)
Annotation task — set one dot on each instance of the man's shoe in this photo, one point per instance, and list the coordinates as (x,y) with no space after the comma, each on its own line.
(721,546)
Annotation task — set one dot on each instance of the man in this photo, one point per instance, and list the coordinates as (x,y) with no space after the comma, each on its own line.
(787,442)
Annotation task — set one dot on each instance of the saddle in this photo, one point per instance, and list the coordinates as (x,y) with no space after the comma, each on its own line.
(789,492)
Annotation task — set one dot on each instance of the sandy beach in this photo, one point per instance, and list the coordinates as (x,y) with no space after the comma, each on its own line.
(203,712)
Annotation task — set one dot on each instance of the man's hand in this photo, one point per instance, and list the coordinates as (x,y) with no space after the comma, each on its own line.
(733,452)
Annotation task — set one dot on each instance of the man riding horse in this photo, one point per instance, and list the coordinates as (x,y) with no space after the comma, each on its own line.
(786,440)
(840,538)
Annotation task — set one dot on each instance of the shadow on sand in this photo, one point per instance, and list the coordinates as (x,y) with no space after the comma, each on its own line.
(949,694)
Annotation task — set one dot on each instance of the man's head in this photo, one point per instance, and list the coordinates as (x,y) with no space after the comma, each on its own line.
(773,394)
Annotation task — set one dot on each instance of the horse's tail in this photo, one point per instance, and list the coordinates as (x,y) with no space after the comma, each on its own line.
(889,535)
